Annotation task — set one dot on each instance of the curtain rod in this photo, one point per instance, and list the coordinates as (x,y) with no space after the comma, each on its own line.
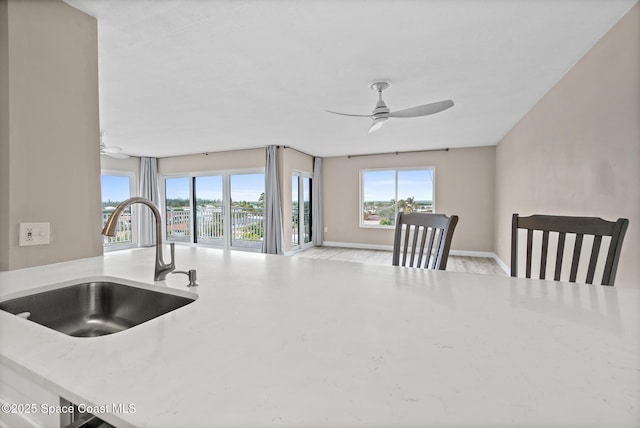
(299,151)
(398,153)
(247,148)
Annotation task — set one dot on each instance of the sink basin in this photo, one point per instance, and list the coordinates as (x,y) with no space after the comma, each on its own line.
(94,308)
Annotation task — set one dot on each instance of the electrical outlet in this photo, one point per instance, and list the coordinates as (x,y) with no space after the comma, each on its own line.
(34,234)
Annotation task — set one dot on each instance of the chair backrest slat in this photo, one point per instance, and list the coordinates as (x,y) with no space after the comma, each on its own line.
(432,234)
(593,260)
(440,230)
(577,250)
(439,243)
(406,245)
(559,255)
(414,244)
(529,251)
(563,225)
(543,256)
(421,254)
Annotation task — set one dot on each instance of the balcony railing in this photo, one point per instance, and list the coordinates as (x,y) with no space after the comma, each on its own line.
(123,228)
(246,225)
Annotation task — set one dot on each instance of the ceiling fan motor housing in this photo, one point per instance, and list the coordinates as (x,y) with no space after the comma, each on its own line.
(381,108)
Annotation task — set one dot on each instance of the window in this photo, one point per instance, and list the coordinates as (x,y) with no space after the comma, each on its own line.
(116,187)
(300,209)
(224,210)
(383,192)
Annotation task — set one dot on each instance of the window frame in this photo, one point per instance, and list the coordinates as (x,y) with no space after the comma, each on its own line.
(301,176)
(134,214)
(361,223)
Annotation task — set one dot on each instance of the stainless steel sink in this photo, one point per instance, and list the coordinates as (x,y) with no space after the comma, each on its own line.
(94,308)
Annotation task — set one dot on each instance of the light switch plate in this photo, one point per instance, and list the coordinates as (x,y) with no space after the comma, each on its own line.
(34,234)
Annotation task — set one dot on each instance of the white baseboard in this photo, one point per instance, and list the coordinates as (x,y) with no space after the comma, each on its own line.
(486,254)
(502,264)
(465,253)
(357,246)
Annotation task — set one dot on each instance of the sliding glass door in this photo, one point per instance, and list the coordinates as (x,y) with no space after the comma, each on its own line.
(300,210)
(247,209)
(209,209)
(224,210)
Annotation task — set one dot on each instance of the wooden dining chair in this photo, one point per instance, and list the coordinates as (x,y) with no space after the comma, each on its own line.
(578,226)
(434,231)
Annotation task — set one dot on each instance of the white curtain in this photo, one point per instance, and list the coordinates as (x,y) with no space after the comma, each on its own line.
(316,203)
(272,228)
(148,190)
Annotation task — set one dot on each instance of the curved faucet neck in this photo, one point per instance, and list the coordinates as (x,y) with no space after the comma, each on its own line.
(162,268)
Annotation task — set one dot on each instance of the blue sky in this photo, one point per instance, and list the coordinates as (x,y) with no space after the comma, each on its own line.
(380,185)
(244,187)
(306,190)
(247,187)
(115,188)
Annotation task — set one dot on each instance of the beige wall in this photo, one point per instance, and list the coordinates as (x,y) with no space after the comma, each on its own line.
(464,186)
(577,152)
(51,173)
(218,161)
(131,164)
(5,238)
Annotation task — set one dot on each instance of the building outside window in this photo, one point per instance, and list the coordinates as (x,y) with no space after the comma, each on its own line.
(384,192)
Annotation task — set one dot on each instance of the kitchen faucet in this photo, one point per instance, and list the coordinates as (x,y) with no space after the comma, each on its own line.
(161,268)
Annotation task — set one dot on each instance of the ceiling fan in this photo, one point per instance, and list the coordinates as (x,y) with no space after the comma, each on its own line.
(111,151)
(381,113)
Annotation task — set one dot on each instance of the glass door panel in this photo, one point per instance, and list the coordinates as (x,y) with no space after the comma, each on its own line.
(247,209)
(209,210)
(306,214)
(178,209)
(300,210)
(295,212)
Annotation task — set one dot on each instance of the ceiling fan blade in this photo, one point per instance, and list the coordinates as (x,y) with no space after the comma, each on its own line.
(117,155)
(110,149)
(346,114)
(422,110)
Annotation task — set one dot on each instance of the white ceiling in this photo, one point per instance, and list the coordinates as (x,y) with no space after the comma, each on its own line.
(191,76)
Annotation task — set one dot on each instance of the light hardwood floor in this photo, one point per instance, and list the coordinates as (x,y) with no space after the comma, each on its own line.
(483,265)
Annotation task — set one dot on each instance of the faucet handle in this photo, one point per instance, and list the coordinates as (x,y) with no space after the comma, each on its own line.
(192,277)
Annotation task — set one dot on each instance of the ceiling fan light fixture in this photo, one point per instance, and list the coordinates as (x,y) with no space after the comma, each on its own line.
(377,124)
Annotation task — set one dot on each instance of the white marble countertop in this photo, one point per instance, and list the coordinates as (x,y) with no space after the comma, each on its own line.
(287,341)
